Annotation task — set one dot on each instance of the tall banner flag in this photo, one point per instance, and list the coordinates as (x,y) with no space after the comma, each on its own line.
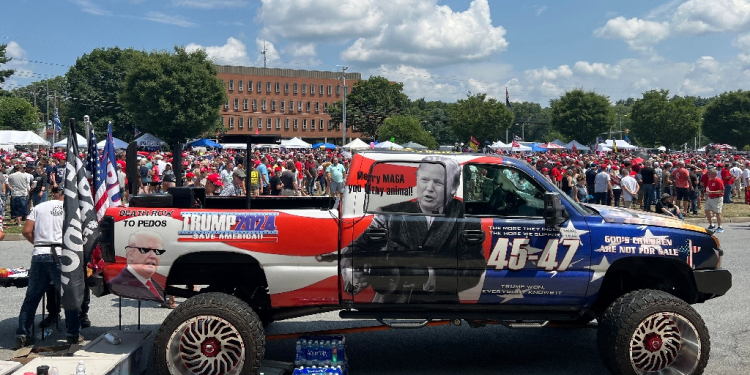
(474,144)
(136,132)
(80,228)
(517,138)
(575,149)
(92,160)
(106,183)
(56,120)
(507,99)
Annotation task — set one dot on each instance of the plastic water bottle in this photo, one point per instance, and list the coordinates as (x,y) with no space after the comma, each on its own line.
(80,369)
(341,352)
(299,355)
(53,371)
(312,351)
(326,353)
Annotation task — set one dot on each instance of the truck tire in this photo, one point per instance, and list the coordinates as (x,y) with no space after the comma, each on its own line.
(650,331)
(211,334)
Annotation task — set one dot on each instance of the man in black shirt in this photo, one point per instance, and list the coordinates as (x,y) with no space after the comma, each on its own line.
(665,207)
(591,177)
(275,183)
(649,178)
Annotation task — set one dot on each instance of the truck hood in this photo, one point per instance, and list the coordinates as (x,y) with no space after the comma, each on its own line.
(628,216)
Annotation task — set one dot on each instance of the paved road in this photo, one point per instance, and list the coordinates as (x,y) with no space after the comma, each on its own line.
(447,350)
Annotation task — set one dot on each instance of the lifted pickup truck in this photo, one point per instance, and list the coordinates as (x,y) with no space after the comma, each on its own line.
(417,237)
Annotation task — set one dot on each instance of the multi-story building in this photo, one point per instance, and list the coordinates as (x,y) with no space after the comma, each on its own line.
(289,102)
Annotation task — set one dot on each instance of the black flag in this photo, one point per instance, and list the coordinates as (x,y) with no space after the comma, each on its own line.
(80,228)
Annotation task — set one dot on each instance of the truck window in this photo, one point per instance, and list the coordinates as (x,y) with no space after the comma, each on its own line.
(407,187)
(499,190)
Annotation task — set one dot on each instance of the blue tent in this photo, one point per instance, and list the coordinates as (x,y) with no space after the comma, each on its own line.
(149,141)
(204,143)
(326,145)
(535,147)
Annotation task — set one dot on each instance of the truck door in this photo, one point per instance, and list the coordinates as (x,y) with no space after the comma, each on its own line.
(407,253)
(526,263)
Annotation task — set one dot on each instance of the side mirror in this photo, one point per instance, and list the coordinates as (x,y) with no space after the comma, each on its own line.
(553,210)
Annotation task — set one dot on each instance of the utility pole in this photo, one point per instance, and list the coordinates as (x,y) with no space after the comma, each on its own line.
(264,54)
(343,71)
(54,126)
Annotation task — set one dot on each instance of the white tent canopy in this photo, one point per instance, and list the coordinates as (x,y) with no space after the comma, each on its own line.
(579,146)
(520,148)
(82,142)
(388,145)
(621,144)
(25,138)
(357,144)
(603,148)
(500,146)
(295,143)
(234,146)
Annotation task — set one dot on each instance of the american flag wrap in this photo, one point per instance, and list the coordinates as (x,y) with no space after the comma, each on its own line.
(106,183)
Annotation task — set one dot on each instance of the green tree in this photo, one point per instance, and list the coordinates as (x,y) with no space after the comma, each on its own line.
(485,119)
(434,116)
(582,115)
(657,120)
(174,96)
(727,119)
(7,72)
(406,129)
(94,84)
(17,114)
(369,104)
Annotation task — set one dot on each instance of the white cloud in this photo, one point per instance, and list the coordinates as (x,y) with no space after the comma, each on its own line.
(419,82)
(540,10)
(602,70)
(549,75)
(90,7)
(169,20)
(640,35)
(300,50)
(408,32)
(14,50)
(272,56)
(210,4)
(232,53)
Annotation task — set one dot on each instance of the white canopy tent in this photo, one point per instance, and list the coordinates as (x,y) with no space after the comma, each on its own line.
(82,142)
(520,148)
(602,147)
(357,144)
(621,144)
(295,143)
(21,138)
(500,146)
(234,146)
(579,146)
(388,145)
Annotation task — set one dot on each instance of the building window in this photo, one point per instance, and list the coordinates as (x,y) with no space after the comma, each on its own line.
(325,107)
(321,125)
(278,123)
(329,89)
(268,87)
(317,107)
(321,89)
(330,124)
(268,123)
(278,87)
(282,105)
(231,123)
(286,123)
(249,120)
(249,86)
(286,87)
(236,104)
(295,124)
(239,86)
(291,106)
(255,105)
(226,104)
(260,87)
(244,105)
(304,124)
(239,123)
(312,89)
(273,105)
(299,106)
(264,105)
(231,84)
(312,125)
(338,90)
(304,88)
(260,123)
(222,122)
(295,88)
(308,106)
(338,126)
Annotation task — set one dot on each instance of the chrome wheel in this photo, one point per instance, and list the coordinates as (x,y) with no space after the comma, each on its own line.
(205,345)
(665,343)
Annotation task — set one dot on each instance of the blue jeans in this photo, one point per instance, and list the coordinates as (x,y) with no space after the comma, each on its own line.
(19,207)
(43,271)
(37,199)
(600,198)
(727,193)
(648,196)
(310,185)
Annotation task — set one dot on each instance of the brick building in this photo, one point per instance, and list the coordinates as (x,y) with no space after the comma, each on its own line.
(293,103)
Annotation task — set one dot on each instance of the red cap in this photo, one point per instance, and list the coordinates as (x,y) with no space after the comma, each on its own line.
(190,175)
(215,179)
(615,168)
(545,170)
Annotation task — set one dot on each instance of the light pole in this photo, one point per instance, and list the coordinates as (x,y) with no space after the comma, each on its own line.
(343,76)
(621,116)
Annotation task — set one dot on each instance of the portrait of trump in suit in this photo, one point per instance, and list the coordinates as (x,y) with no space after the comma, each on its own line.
(143,254)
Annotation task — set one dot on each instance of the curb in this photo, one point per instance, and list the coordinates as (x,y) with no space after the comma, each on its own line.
(14,237)
(725,220)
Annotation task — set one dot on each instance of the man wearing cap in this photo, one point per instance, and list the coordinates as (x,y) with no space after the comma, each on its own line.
(745,177)
(234,188)
(715,192)
(665,207)
(19,195)
(728,180)
(736,173)
(213,183)
(263,169)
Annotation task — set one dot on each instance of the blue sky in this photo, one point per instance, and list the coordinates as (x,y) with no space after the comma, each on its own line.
(439,49)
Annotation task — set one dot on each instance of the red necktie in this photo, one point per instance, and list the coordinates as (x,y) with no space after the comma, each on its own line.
(151,287)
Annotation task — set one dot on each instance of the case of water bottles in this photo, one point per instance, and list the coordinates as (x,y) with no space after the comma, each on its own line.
(323,355)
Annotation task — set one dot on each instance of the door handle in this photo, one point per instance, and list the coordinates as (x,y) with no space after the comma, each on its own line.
(473,236)
(376,234)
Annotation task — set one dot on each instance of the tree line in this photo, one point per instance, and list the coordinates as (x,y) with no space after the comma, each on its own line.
(177,95)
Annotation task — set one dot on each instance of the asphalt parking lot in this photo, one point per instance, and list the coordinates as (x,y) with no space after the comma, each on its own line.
(441,350)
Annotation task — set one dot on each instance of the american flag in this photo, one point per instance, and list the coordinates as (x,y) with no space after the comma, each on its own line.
(515,144)
(517,138)
(56,120)
(92,161)
(690,249)
(106,183)
(136,132)
(507,98)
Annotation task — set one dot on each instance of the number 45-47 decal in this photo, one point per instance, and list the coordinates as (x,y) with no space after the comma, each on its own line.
(519,254)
